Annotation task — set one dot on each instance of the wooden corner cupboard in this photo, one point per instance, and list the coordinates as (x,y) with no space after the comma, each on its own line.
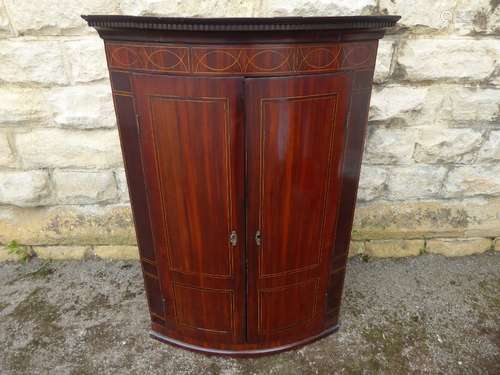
(242,140)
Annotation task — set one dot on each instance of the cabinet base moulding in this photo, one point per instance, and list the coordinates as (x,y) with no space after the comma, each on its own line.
(245,350)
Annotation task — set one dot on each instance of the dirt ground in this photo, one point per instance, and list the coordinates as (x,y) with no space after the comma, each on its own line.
(428,314)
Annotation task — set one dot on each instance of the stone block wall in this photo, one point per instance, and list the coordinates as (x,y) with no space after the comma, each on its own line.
(431,174)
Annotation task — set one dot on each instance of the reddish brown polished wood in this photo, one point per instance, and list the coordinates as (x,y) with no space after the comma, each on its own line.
(293,169)
(242,141)
(193,159)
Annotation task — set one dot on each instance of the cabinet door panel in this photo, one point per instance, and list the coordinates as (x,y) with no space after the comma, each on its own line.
(295,127)
(194,178)
(295,158)
(192,141)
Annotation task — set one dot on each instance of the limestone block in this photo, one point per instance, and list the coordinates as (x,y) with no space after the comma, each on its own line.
(497,244)
(490,150)
(191,8)
(281,8)
(415,182)
(22,106)
(117,252)
(470,180)
(356,248)
(384,59)
(476,17)
(458,16)
(449,58)
(438,145)
(461,105)
(390,145)
(87,59)
(432,14)
(372,183)
(62,252)
(121,180)
(48,17)
(448,105)
(394,248)
(24,188)
(240,8)
(495,78)
(68,225)
(473,217)
(458,246)
(83,106)
(84,187)
(67,148)
(26,60)
(5,30)
(396,101)
(7,157)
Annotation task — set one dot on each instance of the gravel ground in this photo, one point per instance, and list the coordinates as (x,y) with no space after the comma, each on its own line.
(428,314)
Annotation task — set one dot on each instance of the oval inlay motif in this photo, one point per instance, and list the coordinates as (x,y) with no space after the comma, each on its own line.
(268,60)
(166,59)
(357,55)
(237,59)
(125,56)
(320,58)
(220,60)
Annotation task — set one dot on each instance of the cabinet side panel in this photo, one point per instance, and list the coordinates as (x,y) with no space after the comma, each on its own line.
(124,106)
(353,153)
(129,138)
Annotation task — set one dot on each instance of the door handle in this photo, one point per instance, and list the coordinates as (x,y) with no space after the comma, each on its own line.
(258,238)
(233,238)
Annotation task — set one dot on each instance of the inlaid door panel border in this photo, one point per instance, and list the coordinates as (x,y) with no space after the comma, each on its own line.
(334,97)
(228,172)
(188,289)
(334,90)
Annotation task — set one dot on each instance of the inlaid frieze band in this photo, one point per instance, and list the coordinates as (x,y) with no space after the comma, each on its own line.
(241,59)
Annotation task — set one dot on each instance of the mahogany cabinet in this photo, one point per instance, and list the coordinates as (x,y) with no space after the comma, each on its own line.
(242,141)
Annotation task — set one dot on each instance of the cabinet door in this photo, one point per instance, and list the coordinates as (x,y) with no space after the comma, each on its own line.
(192,141)
(295,135)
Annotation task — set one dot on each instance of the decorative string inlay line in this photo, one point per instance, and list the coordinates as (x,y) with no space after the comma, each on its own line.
(261,296)
(167,59)
(193,290)
(333,97)
(241,59)
(227,156)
